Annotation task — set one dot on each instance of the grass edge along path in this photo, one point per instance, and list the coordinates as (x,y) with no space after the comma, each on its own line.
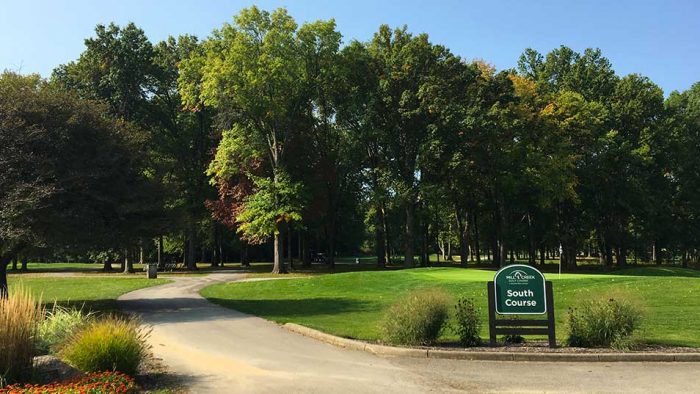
(351,305)
(93,293)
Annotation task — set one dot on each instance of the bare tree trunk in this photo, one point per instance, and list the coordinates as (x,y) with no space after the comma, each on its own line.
(14,264)
(24,264)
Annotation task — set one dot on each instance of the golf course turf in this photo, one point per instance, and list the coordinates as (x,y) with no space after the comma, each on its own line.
(91,293)
(352,304)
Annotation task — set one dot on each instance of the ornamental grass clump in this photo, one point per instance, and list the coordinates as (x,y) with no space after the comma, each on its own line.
(607,322)
(467,322)
(108,344)
(20,316)
(417,319)
(60,323)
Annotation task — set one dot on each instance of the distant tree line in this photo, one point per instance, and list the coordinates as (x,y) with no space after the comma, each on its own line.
(268,132)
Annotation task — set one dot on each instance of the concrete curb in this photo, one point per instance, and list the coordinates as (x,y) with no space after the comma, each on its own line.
(383,350)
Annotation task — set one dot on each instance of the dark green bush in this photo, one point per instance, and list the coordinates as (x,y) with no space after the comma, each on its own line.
(417,319)
(603,323)
(467,322)
(108,344)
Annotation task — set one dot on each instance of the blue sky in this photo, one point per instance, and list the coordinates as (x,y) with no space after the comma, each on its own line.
(659,39)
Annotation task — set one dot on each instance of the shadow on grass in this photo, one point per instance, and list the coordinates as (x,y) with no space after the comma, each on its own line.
(94,306)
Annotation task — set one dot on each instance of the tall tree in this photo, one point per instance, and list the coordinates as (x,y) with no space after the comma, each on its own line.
(69,176)
(256,69)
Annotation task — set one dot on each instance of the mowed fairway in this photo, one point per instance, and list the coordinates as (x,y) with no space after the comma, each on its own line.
(92,293)
(352,304)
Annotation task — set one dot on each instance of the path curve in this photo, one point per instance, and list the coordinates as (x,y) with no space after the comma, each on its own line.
(222,350)
(218,350)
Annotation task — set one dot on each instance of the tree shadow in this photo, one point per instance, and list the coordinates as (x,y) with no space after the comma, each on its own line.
(296,307)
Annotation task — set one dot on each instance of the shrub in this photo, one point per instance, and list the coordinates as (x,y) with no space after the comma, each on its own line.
(58,325)
(108,344)
(603,323)
(20,316)
(417,319)
(96,383)
(467,322)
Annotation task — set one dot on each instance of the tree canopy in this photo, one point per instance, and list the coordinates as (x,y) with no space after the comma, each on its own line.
(269,139)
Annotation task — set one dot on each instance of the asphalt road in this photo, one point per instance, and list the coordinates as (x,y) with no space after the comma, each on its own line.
(218,350)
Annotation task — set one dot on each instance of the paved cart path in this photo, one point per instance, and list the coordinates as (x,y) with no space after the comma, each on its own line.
(218,350)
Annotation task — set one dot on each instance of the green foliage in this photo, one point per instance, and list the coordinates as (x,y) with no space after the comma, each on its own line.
(58,325)
(467,320)
(603,323)
(107,344)
(417,318)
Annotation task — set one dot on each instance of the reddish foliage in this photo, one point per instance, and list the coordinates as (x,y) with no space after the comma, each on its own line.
(94,383)
(232,194)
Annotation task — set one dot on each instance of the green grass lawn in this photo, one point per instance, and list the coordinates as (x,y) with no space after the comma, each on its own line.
(94,293)
(352,304)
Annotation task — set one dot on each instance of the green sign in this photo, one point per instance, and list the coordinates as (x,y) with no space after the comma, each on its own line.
(519,290)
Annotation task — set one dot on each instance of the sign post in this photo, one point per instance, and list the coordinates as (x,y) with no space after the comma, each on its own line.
(520,290)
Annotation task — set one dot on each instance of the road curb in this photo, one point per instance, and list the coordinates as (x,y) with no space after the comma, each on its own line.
(384,350)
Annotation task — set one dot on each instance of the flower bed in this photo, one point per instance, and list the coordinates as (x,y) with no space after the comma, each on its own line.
(95,383)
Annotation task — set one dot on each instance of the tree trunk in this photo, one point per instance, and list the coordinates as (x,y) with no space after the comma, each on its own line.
(191,262)
(532,251)
(107,267)
(477,247)
(161,263)
(387,235)
(4,261)
(278,266)
(245,260)
(306,258)
(408,247)
(290,258)
(300,253)
(684,259)
(462,229)
(24,263)
(14,264)
(424,243)
(128,265)
(542,255)
(654,258)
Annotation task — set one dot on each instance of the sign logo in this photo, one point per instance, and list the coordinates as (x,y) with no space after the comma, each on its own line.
(519,289)
(519,277)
